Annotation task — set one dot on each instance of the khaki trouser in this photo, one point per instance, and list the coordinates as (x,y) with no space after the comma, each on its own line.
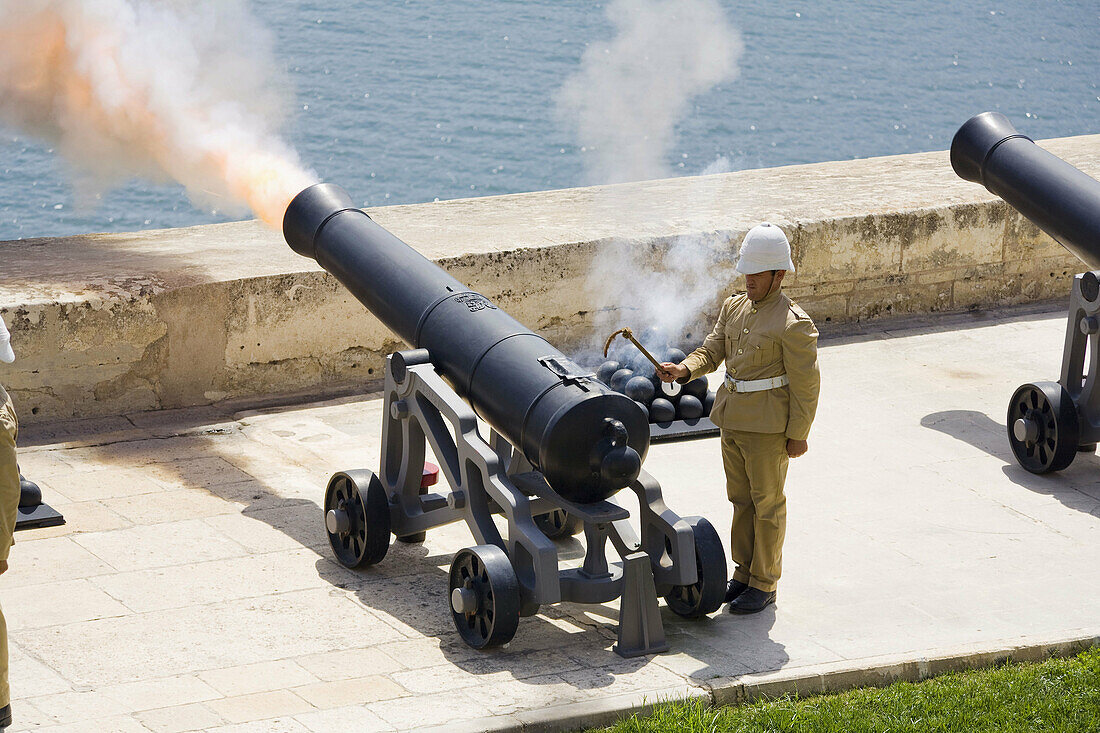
(9,507)
(756,468)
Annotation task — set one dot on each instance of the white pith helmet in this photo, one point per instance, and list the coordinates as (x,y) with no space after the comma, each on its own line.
(6,354)
(765,248)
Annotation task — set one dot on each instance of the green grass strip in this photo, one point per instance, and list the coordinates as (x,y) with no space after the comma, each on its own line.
(1058,695)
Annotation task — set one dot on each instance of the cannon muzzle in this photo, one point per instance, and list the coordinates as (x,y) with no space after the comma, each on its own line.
(1055,196)
(587,440)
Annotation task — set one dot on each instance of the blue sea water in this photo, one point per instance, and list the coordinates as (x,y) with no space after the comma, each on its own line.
(414,100)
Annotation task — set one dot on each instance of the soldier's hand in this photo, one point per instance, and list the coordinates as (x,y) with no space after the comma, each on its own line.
(796,448)
(3,566)
(670,372)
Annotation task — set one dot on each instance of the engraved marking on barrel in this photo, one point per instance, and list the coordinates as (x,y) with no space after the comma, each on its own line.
(475,302)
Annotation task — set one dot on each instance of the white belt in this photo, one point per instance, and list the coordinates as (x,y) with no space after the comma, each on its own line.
(755,385)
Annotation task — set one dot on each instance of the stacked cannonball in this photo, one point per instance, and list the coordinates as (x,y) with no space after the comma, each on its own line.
(636,377)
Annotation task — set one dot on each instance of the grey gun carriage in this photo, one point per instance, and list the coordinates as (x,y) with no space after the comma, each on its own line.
(1048,422)
(561,445)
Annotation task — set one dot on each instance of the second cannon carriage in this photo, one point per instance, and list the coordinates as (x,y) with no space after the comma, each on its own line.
(1048,422)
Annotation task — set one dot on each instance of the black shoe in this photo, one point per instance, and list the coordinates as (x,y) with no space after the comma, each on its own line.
(734,589)
(753,600)
(5,716)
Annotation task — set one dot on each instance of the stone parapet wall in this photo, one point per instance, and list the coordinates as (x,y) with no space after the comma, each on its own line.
(117,323)
(953,258)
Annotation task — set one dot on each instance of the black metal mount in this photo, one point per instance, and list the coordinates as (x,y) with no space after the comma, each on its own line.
(512,573)
(33,513)
(701,427)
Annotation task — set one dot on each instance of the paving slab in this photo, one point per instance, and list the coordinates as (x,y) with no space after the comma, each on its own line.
(193,588)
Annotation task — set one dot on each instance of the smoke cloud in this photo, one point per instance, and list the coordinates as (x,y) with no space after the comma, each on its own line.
(624,104)
(670,296)
(629,93)
(181,90)
(659,291)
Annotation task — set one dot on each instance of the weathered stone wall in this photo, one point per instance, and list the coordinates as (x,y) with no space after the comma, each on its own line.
(111,324)
(956,258)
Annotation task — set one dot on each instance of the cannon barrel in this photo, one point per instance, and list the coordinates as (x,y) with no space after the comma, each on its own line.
(1055,196)
(587,440)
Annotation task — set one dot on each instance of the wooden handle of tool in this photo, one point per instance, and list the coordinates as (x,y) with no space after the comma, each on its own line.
(643,350)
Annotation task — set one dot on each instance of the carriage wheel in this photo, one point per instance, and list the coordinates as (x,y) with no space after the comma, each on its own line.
(485,601)
(357,518)
(1042,427)
(706,594)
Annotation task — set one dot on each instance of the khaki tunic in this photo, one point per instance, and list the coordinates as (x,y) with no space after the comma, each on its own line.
(760,340)
(9,474)
(757,341)
(9,507)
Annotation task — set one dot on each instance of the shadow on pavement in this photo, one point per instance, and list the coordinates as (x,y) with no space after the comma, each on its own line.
(839,334)
(564,644)
(721,645)
(990,436)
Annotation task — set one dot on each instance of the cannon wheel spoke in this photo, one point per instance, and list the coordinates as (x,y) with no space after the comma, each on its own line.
(360,496)
(706,594)
(486,573)
(1052,434)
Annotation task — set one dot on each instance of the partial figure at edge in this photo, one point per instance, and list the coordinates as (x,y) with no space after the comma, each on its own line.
(9,508)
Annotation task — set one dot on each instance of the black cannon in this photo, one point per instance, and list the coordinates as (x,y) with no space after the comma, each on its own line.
(1048,422)
(561,445)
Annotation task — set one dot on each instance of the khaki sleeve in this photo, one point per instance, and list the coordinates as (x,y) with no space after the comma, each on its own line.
(800,364)
(9,476)
(712,353)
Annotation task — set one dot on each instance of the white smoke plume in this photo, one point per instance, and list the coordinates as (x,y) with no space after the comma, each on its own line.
(182,90)
(624,104)
(629,93)
(659,291)
(668,297)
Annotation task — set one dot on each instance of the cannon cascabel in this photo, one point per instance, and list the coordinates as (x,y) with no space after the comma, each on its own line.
(588,441)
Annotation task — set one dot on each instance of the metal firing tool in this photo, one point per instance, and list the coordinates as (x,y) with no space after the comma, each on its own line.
(628,334)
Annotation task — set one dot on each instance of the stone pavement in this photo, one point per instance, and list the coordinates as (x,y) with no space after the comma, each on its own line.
(193,587)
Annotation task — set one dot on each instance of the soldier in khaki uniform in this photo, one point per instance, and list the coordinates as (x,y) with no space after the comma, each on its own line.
(9,507)
(769,348)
